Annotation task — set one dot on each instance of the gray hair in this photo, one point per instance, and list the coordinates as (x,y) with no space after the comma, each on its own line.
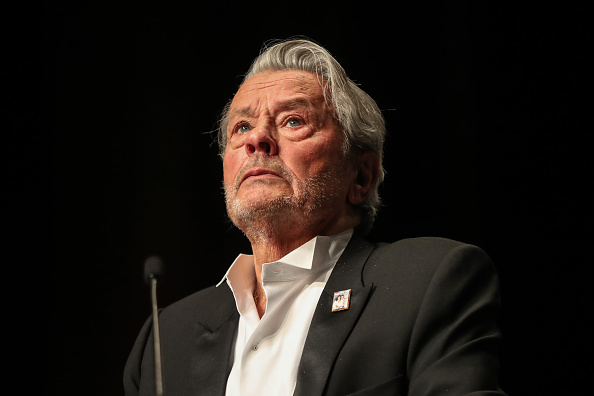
(357,113)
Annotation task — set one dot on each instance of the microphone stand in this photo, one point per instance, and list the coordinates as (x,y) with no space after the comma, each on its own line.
(158,372)
(153,269)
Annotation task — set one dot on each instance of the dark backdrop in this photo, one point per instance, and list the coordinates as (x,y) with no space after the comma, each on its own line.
(489,115)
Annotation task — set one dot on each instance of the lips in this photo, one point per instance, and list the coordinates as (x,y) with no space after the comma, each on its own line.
(254,172)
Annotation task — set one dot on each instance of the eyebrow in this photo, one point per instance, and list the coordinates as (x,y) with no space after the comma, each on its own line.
(291,104)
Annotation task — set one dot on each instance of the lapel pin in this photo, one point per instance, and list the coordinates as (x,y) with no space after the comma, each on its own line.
(341,300)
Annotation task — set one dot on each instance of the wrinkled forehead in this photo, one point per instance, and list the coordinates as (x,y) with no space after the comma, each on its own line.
(291,85)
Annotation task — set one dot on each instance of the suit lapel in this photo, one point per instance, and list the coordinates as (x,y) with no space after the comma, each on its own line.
(215,335)
(329,330)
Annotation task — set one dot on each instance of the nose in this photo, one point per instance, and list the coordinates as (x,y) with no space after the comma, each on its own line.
(259,140)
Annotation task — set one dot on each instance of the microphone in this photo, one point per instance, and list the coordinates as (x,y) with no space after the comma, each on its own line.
(153,269)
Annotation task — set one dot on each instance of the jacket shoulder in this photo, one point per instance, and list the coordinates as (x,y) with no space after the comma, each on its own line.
(419,245)
(421,248)
(421,257)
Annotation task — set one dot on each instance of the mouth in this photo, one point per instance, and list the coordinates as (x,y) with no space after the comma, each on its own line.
(258,173)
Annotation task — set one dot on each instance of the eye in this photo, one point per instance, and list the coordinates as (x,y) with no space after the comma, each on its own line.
(294,122)
(242,128)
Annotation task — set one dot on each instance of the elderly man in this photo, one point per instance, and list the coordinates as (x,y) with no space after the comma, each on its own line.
(317,310)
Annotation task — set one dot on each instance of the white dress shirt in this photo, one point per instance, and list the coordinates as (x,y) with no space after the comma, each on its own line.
(268,350)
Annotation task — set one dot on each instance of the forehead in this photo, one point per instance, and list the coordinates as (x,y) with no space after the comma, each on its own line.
(278,86)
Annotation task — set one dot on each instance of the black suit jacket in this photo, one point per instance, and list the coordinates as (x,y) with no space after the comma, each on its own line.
(422,321)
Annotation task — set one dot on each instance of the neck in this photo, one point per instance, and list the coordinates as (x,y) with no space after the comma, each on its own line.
(272,240)
(267,250)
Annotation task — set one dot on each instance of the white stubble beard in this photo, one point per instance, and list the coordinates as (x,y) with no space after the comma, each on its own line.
(263,218)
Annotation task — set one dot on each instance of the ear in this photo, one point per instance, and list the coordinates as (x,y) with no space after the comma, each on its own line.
(367,167)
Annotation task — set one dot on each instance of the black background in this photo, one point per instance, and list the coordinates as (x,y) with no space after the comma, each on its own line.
(488,109)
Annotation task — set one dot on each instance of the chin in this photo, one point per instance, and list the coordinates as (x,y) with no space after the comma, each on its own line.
(264,212)
(267,207)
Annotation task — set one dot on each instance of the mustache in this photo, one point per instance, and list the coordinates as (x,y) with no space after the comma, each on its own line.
(272,164)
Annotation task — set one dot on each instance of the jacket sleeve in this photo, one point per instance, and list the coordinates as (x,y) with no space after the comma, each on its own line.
(455,340)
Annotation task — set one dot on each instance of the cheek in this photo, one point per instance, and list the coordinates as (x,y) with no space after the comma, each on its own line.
(231,165)
(317,160)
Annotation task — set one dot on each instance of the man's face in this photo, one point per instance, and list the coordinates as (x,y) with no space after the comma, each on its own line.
(284,159)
